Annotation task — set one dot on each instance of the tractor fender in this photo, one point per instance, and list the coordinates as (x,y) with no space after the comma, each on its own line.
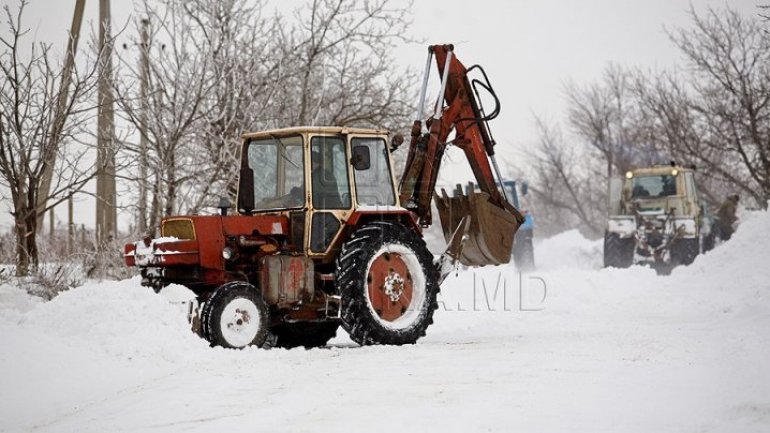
(366,214)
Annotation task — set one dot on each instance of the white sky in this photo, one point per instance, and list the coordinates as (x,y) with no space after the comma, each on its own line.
(529,49)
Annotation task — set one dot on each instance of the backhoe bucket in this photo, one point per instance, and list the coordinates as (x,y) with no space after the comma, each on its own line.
(490,232)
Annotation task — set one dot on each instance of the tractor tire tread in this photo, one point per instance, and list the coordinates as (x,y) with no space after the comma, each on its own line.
(351,276)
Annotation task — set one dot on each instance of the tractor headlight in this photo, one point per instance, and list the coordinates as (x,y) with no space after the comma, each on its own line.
(228,253)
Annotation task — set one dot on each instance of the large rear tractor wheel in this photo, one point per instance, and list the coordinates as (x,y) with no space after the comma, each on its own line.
(684,251)
(307,335)
(618,252)
(388,285)
(524,252)
(235,316)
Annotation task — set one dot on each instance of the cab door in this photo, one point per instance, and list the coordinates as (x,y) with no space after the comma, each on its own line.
(692,202)
(372,173)
(330,194)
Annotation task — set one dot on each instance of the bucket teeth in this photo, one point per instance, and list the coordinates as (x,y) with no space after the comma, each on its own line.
(491,230)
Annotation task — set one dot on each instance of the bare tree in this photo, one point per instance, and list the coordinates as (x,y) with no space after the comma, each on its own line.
(226,69)
(341,68)
(610,135)
(246,69)
(30,113)
(66,76)
(607,116)
(714,112)
(675,127)
(567,184)
(725,99)
(177,87)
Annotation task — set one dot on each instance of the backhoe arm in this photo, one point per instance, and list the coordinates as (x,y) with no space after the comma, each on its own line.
(459,110)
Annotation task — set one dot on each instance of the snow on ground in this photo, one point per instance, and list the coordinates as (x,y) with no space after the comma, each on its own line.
(569,250)
(570,347)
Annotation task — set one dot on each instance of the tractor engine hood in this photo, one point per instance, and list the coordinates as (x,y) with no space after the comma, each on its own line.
(200,240)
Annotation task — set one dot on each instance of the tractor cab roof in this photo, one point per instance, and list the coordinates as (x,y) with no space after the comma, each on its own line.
(659,170)
(314,130)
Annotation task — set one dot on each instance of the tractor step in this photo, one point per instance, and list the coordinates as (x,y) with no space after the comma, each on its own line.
(333,307)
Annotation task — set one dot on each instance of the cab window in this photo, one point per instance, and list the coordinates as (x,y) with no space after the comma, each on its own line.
(374,186)
(278,169)
(329,173)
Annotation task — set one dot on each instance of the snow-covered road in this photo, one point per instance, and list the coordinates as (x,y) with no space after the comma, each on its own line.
(571,347)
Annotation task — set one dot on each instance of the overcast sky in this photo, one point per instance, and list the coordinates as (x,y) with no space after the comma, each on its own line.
(529,48)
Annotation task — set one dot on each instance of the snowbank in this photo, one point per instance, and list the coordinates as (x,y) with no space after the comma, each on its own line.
(744,256)
(15,302)
(121,319)
(568,250)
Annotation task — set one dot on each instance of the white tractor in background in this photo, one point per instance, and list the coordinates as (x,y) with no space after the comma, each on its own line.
(655,218)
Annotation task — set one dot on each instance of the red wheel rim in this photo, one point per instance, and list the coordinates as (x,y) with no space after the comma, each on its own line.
(390,286)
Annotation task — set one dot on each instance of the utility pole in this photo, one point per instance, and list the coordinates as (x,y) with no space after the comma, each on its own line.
(61,105)
(144,65)
(106,214)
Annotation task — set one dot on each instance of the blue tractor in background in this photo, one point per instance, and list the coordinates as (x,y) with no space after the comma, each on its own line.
(523,249)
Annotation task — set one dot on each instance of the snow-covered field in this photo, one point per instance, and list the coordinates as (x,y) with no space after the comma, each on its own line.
(572,347)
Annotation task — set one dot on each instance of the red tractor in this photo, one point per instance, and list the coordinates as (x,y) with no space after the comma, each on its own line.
(324,237)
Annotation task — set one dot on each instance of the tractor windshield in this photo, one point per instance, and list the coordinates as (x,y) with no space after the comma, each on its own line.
(653,186)
(278,167)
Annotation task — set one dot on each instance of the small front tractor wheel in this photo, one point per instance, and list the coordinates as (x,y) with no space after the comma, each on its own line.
(304,334)
(388,285)
(235,316)
(618,252)
(684,251)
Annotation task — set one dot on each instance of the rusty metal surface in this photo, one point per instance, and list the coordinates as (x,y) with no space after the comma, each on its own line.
(493,220)
(490,233)
(287,279)
(162,253)
(180,228)
(389,286)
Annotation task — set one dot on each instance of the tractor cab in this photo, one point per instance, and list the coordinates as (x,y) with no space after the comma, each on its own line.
(319,177)
(662,189)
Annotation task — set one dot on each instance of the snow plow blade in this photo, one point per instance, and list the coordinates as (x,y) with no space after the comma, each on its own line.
(489,240)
